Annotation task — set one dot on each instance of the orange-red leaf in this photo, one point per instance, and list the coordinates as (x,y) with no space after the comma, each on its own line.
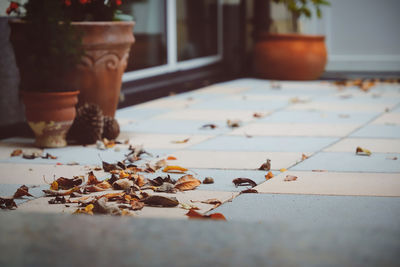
(187,182)
(16,153)
(176,169)
(193,214)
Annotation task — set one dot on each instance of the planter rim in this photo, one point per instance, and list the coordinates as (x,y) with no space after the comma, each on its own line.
(67,93)
(289,36)
(86,23)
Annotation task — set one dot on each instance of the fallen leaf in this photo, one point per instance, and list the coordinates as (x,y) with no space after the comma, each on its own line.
(211,201)
(208,180)
(304,157)
(54,185)
(192,214)
(107,167)
(250,190)
(266,166)
(233,123)
(211,126)
(104,185)
(290,178)
(48,156)
(160,201)
(33,155)
(16,153)
(136,205)
(258,115)
(187,182)
(188,206)
(392,158)
(66,183)
(174,169)
(92,179)
(171,158)
(54,193)
(283,170)
(57,200)
(101,206)
(93,188)
(22,191)
(166,187)
(363,152)
(122,184)
(244,182)
(269,175)
(7,203)
(140,180)
(181,141)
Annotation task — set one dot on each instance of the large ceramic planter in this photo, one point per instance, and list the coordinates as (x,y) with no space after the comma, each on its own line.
(99,75)
(290,56)
(50,115)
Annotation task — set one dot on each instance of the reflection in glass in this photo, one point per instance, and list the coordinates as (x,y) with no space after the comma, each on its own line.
(150,47)
(197,28)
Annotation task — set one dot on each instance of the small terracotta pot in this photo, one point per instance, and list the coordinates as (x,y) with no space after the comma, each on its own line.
(289,56)
(50,115)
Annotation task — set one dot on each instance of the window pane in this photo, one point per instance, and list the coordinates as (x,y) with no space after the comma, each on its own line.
(150,47)
(197,28)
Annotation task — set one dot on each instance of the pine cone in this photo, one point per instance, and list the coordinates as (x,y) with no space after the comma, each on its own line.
(88,124)
(111,128)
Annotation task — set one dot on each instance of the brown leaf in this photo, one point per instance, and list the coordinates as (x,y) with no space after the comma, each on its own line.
(136,205)
(212,201)
(22,191)
(181,141)
(269,175)
(244,182)
(208,180)
(93,188)
(122,184)
(16,153)
(92,179)
(187,182)
(113,196)
(57,200)
(101,206)
(55,193)
(304,157)
(67,183)
(140,180)
(160,201)
(166,187)
(233,123)
(362,151)
(266,166)
(250,190)
(107,167)
(48,156)
(193,214)
(258,115)
(7,203)
(104,185)
(211,126)
(290,178)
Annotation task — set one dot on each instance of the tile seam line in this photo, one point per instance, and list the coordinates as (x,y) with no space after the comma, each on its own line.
(346,136)
(328,195)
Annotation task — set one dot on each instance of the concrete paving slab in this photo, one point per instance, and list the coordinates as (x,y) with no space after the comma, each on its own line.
(350,162)
(235,159)
(388,118)
(342,107)
(378,131)
(334,183)
(262,143)
(240,104)
(372,144)
(296,129)
(204,115)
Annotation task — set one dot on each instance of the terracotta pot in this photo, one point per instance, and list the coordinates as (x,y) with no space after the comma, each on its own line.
(50,115)
(99,75)
(290,56)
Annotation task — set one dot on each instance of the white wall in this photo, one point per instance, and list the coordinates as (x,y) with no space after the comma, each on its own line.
(361,35)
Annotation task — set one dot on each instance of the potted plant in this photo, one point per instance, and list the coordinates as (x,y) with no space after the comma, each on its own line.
(291,56)
(65,46)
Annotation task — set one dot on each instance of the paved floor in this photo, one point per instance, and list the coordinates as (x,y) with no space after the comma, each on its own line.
(307,129)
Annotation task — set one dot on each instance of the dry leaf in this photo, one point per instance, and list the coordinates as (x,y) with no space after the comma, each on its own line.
(233,123)
(244,182)
(269,175)
(57,200)
(211,126)
(258,115)
(166,187)
(66,183)
(208,180)
(16,153)
(192,214)
(104,185)
(93,188)
(107,167)
(304,157)
(266,166)
(174,169)
(22,191)
(290,178)
(392,158)
(122,184)
(171,158)
(160,201)
(136,205)
(140,180)
(187,182)
(283,170)
(54,193)
(101,206)
(92,179)
(181,141)
(48,156)
(7,203)
(250,190)
(363,152)
(188,206)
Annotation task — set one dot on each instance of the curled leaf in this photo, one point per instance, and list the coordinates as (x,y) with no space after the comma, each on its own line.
(7,203)
(233,123)
(66,183)
(192,214)
(161,201)
(208,180)
(250,190)
(122,184)
(22,191)
(304,157)
(187,182)
(266,166)
(57,200)
(54,193)
(244,182)
(211,126)
(174,169)
(362,151)
(269,175)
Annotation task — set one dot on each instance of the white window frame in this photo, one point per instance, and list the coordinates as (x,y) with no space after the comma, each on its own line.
(172,56)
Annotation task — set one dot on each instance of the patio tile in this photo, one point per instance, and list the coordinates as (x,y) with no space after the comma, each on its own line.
(168,103)
(163,141)
(388,118)
(296,129)
(334,183)
(134,113)
(262,143)
(204,115)
(340,106)
(235,159)
(313,211)
(372,144)
(222,89)
(378,131)
(350,162)
(176,127)
(304,116)
(35,174)
(240,104)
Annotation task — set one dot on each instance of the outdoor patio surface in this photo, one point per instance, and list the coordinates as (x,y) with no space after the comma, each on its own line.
(344,206)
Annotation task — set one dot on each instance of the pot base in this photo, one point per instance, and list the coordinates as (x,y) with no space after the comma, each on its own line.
(50,134)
